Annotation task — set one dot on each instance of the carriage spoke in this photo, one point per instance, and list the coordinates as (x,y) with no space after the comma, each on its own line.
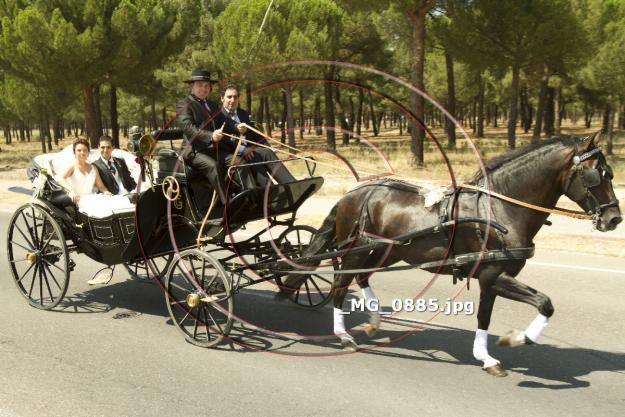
(322,279)
(195,323)
(32,209)
(40,286)
(53,276)
(24,275)
(208,330)
(47,284)
(54,265)
(29,241)
(32,284)
(308,292)
(316,286)
(23,247)
(30,232)
(214,321)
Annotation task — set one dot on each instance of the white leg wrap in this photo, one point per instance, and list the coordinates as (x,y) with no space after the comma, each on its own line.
(369,295)
(536,327)
(339,323)
(480,349)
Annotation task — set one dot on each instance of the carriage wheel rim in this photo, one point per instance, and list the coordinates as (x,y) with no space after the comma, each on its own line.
(47,275)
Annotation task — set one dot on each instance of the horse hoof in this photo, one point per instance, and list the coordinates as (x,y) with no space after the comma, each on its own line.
(513,338)
(371,329)
(349,345)
(496,370)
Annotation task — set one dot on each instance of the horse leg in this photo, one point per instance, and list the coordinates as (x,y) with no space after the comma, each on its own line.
(341,286)
(372,304)
(509,287)
(480,343)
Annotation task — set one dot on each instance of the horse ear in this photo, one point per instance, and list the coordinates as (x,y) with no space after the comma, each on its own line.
(591,140)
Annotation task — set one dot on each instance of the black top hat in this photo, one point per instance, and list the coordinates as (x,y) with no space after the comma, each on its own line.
(200,75)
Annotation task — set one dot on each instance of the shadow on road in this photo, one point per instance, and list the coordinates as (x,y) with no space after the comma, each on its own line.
(266,325)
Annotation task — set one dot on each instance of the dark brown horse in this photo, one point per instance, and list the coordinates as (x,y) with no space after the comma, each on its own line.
(538,174)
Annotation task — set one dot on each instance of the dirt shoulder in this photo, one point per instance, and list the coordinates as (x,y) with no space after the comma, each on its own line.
(566,235)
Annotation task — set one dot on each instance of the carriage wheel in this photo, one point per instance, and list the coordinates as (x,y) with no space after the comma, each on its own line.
(158,267)
(315,292)
(199,298)
(38,256)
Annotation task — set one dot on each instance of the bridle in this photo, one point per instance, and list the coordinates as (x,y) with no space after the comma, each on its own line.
(591,178)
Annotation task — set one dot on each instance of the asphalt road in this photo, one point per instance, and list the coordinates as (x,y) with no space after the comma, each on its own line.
(112,351)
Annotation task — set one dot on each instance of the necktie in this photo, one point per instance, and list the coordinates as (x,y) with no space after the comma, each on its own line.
(111,167)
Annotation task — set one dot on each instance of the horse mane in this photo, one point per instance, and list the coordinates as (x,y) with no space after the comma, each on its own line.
(499,161)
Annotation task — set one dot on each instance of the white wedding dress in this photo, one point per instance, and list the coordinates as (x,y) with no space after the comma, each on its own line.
(96,205)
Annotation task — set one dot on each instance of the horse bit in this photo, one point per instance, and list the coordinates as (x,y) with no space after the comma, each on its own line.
(591,178)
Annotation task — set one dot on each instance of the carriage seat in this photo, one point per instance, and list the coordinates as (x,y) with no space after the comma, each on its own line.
(172,164)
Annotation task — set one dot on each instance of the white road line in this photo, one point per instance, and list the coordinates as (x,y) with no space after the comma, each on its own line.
(577,267)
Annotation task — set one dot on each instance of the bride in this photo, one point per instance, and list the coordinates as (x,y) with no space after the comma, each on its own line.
(82,179)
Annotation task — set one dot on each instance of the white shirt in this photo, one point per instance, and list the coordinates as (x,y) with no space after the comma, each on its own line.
(234,115)
(118,178)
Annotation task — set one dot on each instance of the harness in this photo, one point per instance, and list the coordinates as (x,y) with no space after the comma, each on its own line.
(447,219)
(590,179)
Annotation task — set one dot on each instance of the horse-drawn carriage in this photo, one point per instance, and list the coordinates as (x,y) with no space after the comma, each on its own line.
(482,230)
(173,233)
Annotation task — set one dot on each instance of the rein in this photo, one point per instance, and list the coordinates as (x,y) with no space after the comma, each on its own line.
(557,211)
(560,211)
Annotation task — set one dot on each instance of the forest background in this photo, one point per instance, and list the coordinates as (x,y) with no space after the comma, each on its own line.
(509,71)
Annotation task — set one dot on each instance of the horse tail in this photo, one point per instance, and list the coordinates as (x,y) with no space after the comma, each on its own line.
(321,241)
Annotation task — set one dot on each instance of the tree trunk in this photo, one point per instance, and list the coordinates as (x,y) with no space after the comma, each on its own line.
(341,113)
(302,127)
(549,112)
(451,102)
(267,117)
(318,121)
(42,135)
(352,116)
(98,110)
(372,116)
(540,111)
(22,131)
(55,130)
(115,117)
(610,130)
(495,115)
(248,97)
(283,126)
(90,117)
(587,115)
(523,109)
(559,112)
(514,96)
(607,110)
(361,98)
(417,134)
(261,111)
(329,110)
(153,121)
(290,123)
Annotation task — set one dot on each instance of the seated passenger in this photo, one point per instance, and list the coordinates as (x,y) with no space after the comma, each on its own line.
(82,179)
(113,171)
(234,123)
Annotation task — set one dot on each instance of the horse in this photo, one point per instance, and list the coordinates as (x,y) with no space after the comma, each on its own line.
(538,174)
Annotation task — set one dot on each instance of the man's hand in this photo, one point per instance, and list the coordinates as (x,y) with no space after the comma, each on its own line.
(75,197)
(242,128)
(219,133)
(247,153)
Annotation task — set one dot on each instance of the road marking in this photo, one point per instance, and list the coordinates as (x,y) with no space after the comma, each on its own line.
(577,267)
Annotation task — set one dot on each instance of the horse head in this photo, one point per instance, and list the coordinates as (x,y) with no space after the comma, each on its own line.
(589,184)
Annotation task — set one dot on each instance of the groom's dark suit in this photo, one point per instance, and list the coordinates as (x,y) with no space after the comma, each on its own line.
(108,178)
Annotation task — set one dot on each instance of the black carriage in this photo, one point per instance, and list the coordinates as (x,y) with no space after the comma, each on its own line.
(176,234)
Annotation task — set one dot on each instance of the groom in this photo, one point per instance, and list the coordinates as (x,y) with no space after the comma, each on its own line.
(113,171)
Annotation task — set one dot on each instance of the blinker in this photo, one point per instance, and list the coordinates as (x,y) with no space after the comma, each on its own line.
(592,178)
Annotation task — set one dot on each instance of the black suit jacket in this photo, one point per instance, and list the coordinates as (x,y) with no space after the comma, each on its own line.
(231,126)
(198,124)
(109,180)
